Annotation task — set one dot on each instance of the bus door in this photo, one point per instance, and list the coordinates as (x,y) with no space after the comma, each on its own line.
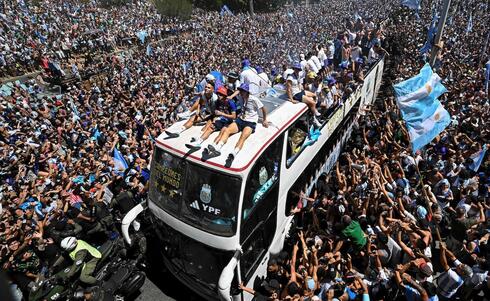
(259,210)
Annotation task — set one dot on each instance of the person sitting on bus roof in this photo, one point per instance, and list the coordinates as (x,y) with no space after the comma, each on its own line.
(245,123)
(224,115)
(232,83)
(296,93)
(201,110)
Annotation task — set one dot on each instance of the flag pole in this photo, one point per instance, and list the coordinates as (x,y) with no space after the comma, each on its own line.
(440,28)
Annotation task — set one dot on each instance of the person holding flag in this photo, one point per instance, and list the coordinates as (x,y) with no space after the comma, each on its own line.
(424,115)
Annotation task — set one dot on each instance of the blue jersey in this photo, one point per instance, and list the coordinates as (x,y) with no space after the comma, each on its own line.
(227,107)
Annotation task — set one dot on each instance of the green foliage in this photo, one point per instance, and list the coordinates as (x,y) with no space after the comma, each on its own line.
(110,3)
(174,8)
(241,5)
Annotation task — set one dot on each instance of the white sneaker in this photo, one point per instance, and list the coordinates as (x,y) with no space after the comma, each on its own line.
(317,123)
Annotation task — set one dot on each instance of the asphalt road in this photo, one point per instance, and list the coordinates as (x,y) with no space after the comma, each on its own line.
(164,288)
(160,284)
(150,291)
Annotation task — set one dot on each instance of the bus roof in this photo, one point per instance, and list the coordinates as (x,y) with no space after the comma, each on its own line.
(280,114)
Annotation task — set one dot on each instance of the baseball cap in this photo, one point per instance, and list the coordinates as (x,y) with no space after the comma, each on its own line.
(222,90)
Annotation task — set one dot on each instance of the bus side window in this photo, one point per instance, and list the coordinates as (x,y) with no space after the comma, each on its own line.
(297,135)
(263,176)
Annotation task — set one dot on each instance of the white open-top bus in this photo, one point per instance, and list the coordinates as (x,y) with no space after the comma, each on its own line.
(219,225)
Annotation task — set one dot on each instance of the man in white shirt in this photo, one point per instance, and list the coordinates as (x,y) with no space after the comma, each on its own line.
(265,82)
(303,63)
(451,280)
(375,53)
(313,63)
(322,56)
(249,76)
(245,123)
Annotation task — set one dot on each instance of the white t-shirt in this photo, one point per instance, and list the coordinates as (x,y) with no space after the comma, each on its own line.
(356,52)
(331,51)
(317,62)
(322,56)
(264,83)
(295,83)
(373,56)
(303,64)
(287,73)
(312,65)
(249,76)
(251,107)
(449,282)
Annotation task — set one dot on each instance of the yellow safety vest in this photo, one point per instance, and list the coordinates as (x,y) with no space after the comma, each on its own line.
(82,245)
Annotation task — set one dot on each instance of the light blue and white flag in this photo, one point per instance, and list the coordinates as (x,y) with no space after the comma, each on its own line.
(225,10)
(142,35)
(431,33)
(120,164)
(477,158)
(149,50)
(424,115)
(413,4)
(469,27)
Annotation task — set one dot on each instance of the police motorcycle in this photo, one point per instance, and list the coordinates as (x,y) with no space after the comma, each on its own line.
(117,277)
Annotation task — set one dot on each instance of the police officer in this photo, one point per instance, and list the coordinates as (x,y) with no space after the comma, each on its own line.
(81,253)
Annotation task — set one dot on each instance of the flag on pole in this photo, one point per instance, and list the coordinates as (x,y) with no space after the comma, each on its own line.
(413,4)
(120,163)
(424,115)
(477,158)
(469,27)
(431,33)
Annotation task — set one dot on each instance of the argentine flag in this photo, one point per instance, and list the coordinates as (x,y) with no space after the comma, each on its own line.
(477,158)
(120,164)
(413,4)
(424,115)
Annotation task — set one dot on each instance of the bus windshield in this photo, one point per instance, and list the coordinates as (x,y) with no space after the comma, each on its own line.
(198,196)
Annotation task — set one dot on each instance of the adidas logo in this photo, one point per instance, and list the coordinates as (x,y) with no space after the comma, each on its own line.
(195,205)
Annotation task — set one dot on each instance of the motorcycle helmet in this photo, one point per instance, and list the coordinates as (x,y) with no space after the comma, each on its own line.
(69,243)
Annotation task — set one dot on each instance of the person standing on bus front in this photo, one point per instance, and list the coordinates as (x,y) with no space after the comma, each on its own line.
(202,110)
(224,115)
(295,92)
(245,123)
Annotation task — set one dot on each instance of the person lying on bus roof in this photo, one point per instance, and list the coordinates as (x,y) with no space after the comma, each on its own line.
(245,123)
(224,115)
(296,93)
(202,110)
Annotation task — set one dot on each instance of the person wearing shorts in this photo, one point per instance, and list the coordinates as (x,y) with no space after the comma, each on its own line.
(223,116)
(297,94)
(245,123)
(201,110)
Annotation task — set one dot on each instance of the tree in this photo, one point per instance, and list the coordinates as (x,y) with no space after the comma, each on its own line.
(174,8)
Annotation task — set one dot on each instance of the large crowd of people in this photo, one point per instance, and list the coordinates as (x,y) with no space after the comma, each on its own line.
(385,224)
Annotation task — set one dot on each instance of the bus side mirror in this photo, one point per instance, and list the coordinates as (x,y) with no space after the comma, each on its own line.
(226,277)
(129,218)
